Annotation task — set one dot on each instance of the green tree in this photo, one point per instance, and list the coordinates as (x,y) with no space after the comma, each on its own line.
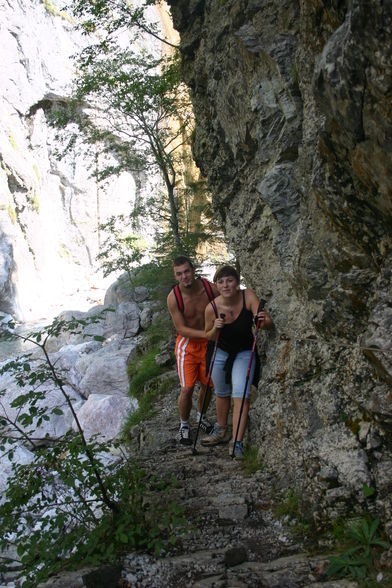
(73,504)
(132,103)
(119,250)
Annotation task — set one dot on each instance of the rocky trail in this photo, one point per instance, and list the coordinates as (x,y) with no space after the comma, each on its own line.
(233,539)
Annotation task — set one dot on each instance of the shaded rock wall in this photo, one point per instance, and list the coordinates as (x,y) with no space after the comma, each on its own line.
(294,117)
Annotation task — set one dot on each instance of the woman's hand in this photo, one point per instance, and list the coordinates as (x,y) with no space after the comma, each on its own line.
(220,322)
(261,316)
(263,319)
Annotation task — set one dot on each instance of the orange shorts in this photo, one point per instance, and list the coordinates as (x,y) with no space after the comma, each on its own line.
(191,361)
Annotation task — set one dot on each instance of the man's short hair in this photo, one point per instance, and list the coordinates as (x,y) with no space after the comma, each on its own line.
(181,259)
(226,271)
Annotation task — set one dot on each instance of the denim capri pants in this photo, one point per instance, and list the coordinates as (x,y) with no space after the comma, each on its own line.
(238,374)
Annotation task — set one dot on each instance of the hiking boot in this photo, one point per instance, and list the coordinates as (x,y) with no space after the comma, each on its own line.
(184,436)
(205,424)
(216,437)
(238,450)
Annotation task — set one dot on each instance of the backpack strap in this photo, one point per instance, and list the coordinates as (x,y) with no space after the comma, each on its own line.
(180,301)
(210,295)
(208,289)
(213,304)
(178,297)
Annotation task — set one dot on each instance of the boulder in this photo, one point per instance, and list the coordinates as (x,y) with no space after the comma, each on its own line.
(105,415)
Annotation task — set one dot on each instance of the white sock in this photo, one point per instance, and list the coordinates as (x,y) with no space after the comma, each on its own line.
(184,424)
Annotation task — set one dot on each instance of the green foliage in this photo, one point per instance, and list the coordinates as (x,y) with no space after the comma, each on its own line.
(75,503)
(145,119)
(156,276)
(144,374)
(368,491)
(158,332)
(120,250)
(290,505)
(297,513)
(155,388)
(363,546)
(140,372)
(251,462)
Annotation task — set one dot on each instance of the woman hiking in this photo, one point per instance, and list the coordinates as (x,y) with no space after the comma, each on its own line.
(233,354)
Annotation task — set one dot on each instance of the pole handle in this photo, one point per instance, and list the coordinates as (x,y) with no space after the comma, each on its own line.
(259,309)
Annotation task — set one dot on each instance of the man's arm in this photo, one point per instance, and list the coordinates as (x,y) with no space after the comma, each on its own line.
(179,321)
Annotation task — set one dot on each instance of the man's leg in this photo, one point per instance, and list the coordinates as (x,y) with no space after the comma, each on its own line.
(185,403)
(203,401)
(187,373)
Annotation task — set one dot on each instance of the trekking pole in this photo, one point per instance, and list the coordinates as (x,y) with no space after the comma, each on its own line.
(258,322)
(222,316)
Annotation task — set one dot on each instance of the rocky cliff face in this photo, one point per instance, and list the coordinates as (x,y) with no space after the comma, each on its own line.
(293,105)
(49,208)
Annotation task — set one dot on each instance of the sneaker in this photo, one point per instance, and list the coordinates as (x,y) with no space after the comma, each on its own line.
(238,450)
(205,424)
(184,436)
(216,437)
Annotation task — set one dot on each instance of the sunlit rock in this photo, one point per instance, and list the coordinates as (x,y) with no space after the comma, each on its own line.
(105,415)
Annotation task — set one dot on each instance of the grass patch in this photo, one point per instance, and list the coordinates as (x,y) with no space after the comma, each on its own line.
(146,377)
(158,332)
(141,371)
(290,505)
(297,514)
(251,462)
(157,388)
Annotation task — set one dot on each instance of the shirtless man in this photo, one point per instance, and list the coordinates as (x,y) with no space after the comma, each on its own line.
(187,311)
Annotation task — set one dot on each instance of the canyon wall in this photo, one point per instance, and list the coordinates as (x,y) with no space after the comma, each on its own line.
(293,106)
(50,205)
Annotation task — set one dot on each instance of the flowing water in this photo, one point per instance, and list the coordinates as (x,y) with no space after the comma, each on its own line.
(10,349)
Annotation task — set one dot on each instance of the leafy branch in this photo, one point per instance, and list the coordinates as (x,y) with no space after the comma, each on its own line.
(73,503)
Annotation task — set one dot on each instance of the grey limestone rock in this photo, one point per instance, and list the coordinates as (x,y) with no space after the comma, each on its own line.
(293,123)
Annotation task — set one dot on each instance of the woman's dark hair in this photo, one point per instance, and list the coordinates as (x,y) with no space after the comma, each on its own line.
(225,271)
(181,259)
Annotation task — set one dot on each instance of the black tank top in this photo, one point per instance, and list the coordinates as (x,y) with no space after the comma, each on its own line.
(238,336)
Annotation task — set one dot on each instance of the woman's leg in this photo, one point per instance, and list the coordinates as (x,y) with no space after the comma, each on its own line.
(244,417)
(238,376)
(222,391)
(222,409)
